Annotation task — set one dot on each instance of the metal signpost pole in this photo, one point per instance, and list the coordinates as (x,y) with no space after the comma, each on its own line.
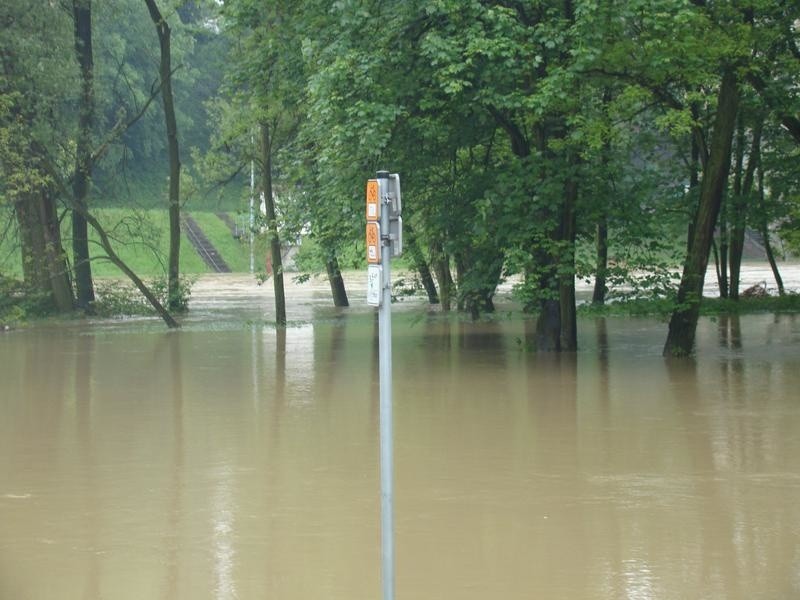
(384,239)
(252,221)
(385,360)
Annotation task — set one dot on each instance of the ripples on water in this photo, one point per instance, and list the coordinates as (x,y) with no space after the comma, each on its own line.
(237,461)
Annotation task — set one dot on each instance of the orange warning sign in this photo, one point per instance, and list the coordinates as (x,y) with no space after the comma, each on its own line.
(373,243)
(373,204)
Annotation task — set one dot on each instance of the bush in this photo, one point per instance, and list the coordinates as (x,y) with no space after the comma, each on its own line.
(18,302)
(121,298)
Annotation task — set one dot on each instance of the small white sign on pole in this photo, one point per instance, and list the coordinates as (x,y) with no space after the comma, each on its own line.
(374,280)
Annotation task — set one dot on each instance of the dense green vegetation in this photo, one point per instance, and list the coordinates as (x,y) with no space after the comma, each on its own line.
(540,140)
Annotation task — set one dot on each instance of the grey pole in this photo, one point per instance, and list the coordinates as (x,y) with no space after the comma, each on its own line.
(386,426)
(252,222)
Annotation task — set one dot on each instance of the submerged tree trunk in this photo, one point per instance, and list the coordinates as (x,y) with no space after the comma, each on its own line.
(421,265)
(272,225)
(556,326)
(105,242)
(566,285)
(740,210)
(165,75)
(721,253)
(478,272)
(338,290)
(43,258)
(764,230)
(694,179)
(683,323)
(547,334)
(601,266)
(426,276)
(441,268)
(82,18)
(733,209)
(547,337)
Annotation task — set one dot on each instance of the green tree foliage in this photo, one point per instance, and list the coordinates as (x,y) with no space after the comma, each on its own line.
(259,115)
(47,154)
(32,140)
(527,130)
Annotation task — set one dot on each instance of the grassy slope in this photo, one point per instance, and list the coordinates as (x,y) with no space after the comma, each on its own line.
(235,252)
(140,238)
(142,242)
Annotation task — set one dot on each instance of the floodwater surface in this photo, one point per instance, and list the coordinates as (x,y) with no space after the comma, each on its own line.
(241,461)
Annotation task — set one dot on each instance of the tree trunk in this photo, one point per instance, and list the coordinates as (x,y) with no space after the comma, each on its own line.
(165,74)
(272,225)
(547,337)
(82,19)
(601,266)
(764,229)
(441,267)
(106,244)
(721,253)
(478,271)
(723,286)
(420,264)
(141,286)
(734,217)
(683,323)
(548,325)
(426,276)
(694,178)
(740,211)
(566,285)
(601,229)
(34,265)
(43,257)
(338,290)
(731,220)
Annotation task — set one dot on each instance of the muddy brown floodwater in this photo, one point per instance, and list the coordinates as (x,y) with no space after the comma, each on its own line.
(230,460)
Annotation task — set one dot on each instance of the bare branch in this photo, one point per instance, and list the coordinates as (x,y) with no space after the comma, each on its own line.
(123,126)
(104,240)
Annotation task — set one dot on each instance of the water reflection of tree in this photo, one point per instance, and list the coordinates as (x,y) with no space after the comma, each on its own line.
(713,505)
(176,508)
(559,521)
(84,363)
(730,331)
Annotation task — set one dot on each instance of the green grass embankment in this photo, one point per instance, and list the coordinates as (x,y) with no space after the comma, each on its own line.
(141,238)
(235,252)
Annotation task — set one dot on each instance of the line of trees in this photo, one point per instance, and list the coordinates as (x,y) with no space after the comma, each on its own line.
(77,99)
(523,128)
(526,131)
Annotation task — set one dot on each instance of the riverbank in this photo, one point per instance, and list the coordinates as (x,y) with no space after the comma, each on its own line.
(219,297)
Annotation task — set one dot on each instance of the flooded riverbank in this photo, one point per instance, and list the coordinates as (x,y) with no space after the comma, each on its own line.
(233,460)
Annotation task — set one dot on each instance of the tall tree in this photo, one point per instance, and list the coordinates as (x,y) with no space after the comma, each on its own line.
(742,193)
(82,18)
(272,224)
(37,133)
(31,123)
(683,323)
(165,75)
